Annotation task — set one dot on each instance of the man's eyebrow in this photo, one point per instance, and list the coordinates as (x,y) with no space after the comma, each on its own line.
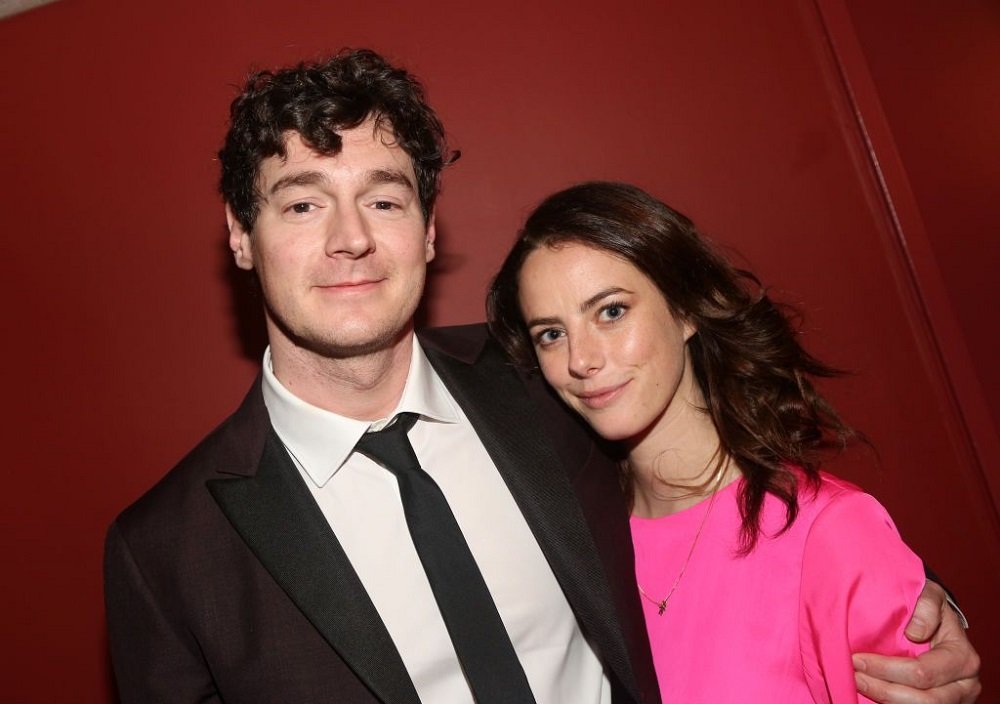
(299,178)
(312,178)
(389,176)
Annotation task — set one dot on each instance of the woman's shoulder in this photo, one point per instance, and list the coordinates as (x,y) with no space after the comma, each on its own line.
(834,498)
(833,506)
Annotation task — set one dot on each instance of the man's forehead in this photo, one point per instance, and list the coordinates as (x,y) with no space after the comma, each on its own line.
(370,130)
(380,147)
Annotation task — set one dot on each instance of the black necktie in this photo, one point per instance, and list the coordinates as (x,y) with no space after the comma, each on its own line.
(480,639)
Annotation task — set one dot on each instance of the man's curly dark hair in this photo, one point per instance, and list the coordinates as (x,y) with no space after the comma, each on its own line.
(319,100)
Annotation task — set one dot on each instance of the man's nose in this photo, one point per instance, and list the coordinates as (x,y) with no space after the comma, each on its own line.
(349,234)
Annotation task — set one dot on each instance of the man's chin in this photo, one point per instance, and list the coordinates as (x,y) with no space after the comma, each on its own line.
(361,345)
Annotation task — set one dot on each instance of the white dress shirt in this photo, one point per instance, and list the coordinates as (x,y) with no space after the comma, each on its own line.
(361,502)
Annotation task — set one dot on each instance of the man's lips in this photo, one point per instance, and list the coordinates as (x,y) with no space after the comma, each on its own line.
(597,399)
(358,286)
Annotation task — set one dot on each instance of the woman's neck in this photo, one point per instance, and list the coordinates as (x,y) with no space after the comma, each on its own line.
(678,462)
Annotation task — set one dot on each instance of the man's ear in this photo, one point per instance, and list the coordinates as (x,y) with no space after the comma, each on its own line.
(239,241)
(429,239)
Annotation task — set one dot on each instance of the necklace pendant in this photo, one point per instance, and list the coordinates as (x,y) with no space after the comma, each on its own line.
(661,606)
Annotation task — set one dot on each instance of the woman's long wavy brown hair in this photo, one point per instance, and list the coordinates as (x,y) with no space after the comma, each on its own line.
(746,357)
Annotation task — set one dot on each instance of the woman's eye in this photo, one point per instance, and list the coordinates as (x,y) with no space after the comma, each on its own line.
(547,337)
(613,311)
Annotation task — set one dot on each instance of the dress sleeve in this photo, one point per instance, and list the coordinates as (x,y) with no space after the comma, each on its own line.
(860,583)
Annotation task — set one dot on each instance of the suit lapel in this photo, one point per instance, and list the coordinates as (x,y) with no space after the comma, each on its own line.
(274,513)
(279,520)
(507,422)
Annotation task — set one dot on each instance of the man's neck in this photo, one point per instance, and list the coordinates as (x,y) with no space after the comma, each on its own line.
(364,387)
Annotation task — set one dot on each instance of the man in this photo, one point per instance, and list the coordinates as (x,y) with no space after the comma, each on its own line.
(287,558)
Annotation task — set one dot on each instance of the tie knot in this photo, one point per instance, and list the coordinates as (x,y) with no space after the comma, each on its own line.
(390,447)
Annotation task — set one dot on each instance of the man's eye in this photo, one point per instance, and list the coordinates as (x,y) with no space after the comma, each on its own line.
(301,208)
(384,205)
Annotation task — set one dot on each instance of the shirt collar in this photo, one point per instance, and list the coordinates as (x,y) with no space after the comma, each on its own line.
(320,441)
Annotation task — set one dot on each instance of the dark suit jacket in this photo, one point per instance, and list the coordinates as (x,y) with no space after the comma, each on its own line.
(225,582)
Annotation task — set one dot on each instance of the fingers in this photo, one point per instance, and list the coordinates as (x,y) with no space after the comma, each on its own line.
(909,672)
(950,629)
(927,614)
(947,662)
(964,691)
(946,674)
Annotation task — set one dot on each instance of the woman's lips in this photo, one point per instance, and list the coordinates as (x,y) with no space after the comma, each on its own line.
(601,398)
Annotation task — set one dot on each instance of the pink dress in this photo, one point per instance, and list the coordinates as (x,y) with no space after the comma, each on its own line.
(780,624)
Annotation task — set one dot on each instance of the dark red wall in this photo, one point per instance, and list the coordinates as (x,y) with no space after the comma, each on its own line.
(121,348)
(937,74)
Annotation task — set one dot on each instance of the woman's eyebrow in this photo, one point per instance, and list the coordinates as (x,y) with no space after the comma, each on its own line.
(600,296)
(584,307)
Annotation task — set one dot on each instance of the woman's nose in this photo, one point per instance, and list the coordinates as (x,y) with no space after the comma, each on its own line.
(585,356)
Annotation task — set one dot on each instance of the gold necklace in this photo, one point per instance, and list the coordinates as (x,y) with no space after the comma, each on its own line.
(661,605)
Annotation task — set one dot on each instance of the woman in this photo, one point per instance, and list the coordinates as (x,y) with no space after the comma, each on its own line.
(759,574)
